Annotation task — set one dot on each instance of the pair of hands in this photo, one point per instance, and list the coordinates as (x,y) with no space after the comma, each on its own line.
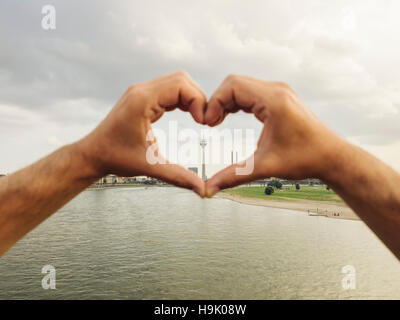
(294,144)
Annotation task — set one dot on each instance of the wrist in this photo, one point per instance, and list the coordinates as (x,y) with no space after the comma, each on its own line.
(90,168)
(338,158)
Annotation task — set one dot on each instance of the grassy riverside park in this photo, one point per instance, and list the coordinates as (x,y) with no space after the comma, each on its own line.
(315,193)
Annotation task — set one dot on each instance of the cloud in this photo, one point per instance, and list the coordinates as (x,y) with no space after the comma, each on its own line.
(340,57)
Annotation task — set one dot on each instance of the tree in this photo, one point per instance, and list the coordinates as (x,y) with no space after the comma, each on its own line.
(269,190)
(327,188)
(297,186)
(275,183)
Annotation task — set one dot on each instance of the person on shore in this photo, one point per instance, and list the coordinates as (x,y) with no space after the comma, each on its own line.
(294,144)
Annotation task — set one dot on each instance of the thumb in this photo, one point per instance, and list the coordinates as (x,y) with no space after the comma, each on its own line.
(179,176)
(232,176)
(157,166)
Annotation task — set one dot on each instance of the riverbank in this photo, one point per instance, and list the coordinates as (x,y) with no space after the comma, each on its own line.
(327,203)
(335,210)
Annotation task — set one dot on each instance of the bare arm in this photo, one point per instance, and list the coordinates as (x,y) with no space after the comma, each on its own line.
(118,145)
(295,144)
(371,189)
(30,195)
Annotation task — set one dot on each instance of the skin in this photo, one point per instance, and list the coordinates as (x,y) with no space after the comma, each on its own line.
(118,145)
(294,144)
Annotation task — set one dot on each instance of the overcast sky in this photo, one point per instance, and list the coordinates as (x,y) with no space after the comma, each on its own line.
(341,57)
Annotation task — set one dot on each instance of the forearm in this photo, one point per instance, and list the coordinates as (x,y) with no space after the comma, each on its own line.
(370,188)
(29,196)
(118,144)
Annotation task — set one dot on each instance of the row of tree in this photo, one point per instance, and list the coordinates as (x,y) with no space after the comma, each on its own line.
(277,184)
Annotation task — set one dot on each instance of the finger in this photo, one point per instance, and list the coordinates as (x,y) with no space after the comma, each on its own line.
(195,85)
(157,166)
(232,176)
(238,93)
(195,101)
(227,98)
(215,112)
(179,90)
(198,110)
(178,176)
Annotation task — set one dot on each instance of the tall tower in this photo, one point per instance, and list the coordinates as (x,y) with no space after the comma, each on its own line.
(203,144)
(233,152)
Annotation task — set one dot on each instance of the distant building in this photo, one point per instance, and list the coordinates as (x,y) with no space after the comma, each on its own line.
(109,179)
(129,180)
(112,179)
(2,175)
(141,178)
(194,169)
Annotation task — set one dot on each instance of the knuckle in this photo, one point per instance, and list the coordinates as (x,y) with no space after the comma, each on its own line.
(197,98)
(132,88)
(232,79)
(283,95)
(284,91)
(282,85)
(136,88)
(181,74)
(134,92)
(180,78)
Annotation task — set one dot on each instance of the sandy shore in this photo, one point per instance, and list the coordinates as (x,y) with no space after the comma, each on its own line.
(314,208)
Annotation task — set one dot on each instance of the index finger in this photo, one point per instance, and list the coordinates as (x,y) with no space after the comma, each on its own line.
(230,96)
(179,90)
(239,93)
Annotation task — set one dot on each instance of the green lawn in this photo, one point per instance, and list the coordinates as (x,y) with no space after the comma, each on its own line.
(318,193)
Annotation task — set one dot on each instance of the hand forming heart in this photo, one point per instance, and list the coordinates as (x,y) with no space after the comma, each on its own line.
(292,143)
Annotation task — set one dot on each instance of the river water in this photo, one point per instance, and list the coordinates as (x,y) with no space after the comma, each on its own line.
(166,243)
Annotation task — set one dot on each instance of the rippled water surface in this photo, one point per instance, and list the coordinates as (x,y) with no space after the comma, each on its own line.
(166,243)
